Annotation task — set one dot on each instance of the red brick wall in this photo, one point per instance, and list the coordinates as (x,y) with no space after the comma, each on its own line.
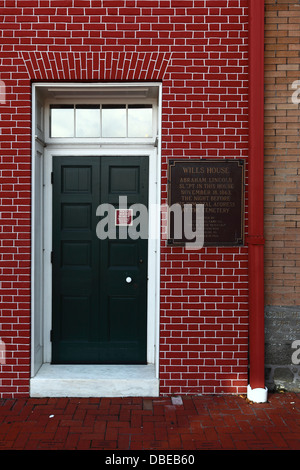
(282,122)
(282,203)
(199,51)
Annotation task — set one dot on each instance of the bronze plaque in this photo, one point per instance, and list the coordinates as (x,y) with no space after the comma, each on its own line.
(219,186)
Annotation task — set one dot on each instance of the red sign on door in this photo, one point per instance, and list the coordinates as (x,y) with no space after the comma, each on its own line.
(124,217)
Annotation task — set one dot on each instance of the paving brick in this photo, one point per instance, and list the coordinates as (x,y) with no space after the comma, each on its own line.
(207,423)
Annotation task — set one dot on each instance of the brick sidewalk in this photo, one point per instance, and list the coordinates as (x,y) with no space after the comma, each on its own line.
(184,423)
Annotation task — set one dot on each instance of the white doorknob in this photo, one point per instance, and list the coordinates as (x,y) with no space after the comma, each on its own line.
(128,280)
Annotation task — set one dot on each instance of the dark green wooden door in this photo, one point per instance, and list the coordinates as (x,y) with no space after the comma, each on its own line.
(99,305)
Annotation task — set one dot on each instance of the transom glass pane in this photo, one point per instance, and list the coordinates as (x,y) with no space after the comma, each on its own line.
(87,121)
(106,121)
(114,121)
(139,121)
(62,121)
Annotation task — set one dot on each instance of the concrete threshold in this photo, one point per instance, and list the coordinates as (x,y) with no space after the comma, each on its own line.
(95,381)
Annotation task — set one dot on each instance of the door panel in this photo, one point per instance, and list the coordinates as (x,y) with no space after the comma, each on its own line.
(98,316)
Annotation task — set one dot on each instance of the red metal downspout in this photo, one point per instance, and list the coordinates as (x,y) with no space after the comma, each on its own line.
(256,388)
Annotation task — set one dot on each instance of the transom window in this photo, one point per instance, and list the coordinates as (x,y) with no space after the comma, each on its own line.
(106,121)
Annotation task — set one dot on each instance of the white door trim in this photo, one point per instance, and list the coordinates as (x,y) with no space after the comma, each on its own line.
(102,380)
(153,242)
(52,380)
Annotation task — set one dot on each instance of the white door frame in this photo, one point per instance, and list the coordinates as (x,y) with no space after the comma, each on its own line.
(153,242)
(43,152)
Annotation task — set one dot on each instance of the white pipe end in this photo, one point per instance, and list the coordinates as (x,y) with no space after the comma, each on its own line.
(257,395)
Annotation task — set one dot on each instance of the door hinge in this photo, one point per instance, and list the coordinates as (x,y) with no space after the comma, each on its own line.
(51,257)
(52,177)
(51,336)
